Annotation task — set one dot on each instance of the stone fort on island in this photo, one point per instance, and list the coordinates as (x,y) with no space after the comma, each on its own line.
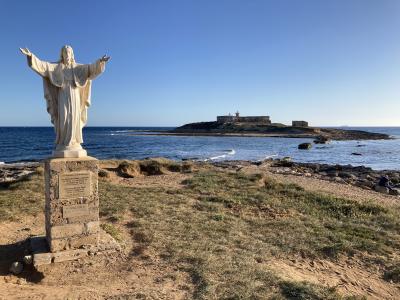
(254,119)
(238,119)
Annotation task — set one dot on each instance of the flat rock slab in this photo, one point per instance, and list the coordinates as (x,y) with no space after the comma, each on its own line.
(42,255)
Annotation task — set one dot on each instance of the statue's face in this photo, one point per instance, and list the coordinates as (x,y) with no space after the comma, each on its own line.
(68,54)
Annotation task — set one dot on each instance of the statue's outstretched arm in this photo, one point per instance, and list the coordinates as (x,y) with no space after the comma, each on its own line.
(96,68)
(105,58)
(41,67)
(25,51)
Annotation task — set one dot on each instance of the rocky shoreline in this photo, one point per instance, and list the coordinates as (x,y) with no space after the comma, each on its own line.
(11,173)
(359,176)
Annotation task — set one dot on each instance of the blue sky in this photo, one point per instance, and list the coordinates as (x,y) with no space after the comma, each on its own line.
(179,61)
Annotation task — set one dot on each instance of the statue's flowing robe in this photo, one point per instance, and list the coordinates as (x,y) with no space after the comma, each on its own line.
(67,93)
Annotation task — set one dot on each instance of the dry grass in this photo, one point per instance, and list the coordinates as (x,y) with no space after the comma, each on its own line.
(24,197)
(224,227)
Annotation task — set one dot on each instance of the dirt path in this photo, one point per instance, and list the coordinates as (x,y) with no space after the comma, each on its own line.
(339,189)
(108,276)
(348,275)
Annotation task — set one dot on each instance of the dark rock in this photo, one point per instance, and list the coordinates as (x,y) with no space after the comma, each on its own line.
(381,189)
(321,140)
(347,175)
(394,192)
(28,259)
(283,163)
(103,173)
(16,268)
(384,181)
(305,146)
(129,169)
(364,184)
(187,167)
(338,179)
(356,153)
(332,173)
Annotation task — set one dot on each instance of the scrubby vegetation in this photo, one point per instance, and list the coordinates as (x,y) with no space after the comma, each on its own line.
(225,227)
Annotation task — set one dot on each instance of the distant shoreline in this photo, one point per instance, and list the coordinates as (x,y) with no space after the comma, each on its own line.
(154,133)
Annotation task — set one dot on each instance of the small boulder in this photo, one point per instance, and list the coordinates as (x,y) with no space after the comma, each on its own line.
(394,192)
(321,140)
(187,167)
(356,153)
(381,189)
(129,169)
(283,162)
(28,259)
(305,146)
(16,268)
(103,173)
(332,173)
(347,175)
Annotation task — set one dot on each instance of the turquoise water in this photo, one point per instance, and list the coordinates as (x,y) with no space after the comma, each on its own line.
(35,143)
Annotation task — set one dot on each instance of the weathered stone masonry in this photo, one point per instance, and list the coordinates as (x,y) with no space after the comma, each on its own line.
(72,203)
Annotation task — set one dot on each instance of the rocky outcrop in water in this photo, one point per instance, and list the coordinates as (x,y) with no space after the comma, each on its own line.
(321,135)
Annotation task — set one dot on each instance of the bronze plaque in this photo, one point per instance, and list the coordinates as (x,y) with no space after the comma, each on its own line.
(76,210)
(74,185)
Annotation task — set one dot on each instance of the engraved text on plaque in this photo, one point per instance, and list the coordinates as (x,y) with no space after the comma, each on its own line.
(76,210)
(74,185)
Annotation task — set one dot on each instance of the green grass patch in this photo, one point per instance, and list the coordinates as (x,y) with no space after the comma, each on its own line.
(22,198)
(112,230)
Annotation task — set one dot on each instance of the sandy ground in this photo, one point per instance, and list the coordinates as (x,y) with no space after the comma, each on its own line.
(349,275)
(111,276)
(124,276)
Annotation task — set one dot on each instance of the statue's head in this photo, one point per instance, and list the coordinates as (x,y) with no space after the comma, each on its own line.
(67,55)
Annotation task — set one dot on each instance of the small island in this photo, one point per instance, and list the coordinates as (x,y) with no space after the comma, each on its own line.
(261,126)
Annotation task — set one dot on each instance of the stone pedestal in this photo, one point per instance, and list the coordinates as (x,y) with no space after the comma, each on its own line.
(72,203)
(69,151)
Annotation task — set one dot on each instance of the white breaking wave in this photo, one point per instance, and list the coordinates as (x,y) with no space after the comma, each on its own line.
(2,163)
(228,152)
(270,156)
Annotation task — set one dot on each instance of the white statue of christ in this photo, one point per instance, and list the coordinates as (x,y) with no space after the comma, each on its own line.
(67,87)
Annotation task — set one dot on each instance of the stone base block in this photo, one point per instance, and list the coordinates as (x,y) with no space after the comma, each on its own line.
(42,256)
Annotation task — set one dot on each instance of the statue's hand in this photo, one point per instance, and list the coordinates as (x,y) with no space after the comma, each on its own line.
(25,51)
(105,58)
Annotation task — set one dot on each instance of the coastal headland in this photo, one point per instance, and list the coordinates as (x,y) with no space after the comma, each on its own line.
(199,230)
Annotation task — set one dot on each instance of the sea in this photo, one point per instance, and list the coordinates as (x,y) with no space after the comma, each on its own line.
(27,144)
